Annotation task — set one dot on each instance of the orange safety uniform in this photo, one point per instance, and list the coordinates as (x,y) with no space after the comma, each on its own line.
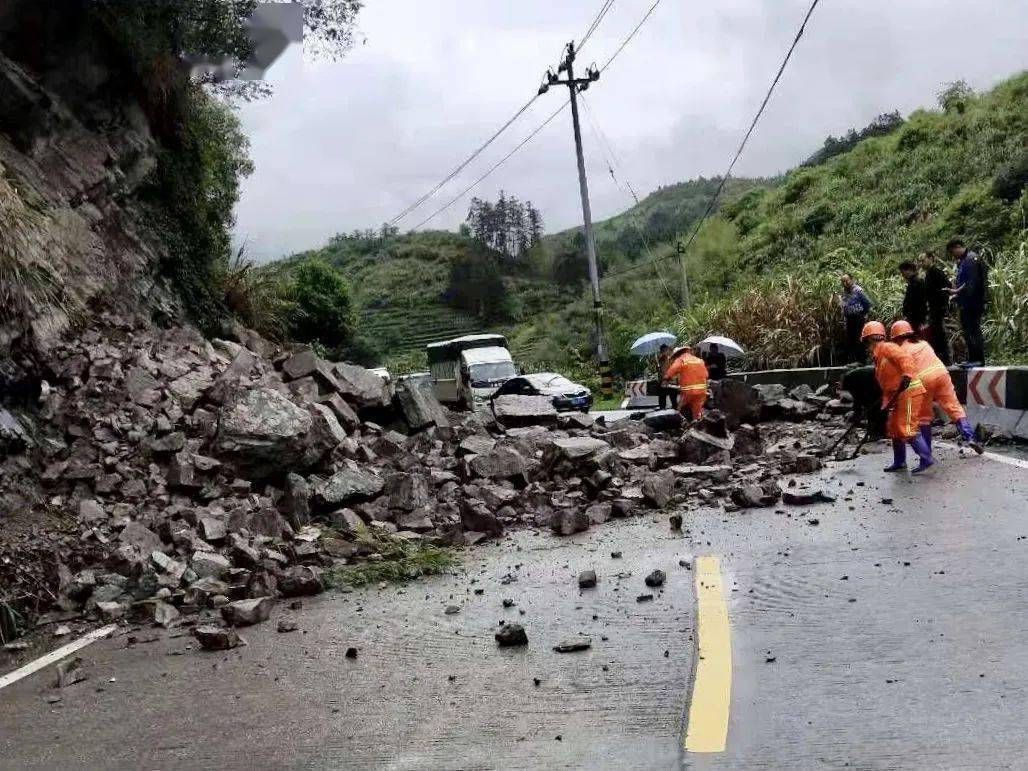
(938,384)
(892,364)
(692,383)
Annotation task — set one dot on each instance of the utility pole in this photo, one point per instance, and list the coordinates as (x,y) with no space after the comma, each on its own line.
(574,86)
(680,248)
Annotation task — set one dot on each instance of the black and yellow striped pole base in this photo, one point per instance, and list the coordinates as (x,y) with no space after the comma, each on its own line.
(606,380)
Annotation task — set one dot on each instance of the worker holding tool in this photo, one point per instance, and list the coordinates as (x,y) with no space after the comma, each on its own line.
(692,381)
(938,384)
(902,396)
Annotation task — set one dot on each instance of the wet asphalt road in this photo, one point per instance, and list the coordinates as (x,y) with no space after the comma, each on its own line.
(886,635)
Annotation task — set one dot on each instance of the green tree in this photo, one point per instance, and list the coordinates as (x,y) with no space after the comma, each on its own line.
(323,311)
(477,286)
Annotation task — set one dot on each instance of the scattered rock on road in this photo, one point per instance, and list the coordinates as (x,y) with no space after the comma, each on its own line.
(217,638)
(247,612)
(655,579)
(573,644)
(510,635)
(587,579)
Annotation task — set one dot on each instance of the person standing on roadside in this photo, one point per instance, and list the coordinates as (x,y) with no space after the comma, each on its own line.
(717,362)
(915,299)
(855,306)
(937,286)
(970,296)
(662,362)
(691,374)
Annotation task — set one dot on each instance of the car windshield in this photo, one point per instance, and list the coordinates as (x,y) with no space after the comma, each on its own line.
(490,371)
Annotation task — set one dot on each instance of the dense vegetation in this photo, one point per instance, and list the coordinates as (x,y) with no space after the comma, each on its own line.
(763,269)
(959,171)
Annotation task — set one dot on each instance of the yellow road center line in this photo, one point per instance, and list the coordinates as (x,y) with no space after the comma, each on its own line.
(707,730)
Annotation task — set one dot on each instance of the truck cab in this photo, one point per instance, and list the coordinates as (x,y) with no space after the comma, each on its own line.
(467,370)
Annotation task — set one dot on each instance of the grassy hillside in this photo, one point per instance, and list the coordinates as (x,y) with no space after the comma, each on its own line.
(958,171)
(400,283)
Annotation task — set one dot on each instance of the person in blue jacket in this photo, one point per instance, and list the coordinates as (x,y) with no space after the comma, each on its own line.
(855,306)
(970,295)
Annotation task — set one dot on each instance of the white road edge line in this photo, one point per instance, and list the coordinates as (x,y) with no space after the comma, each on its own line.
(54,656)
(1016,462)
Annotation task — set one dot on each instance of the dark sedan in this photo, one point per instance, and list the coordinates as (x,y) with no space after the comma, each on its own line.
(565,394)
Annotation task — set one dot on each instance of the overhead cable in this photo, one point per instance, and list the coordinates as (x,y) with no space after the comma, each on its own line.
(742,145)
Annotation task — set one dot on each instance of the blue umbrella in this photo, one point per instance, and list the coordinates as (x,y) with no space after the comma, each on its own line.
(650,343)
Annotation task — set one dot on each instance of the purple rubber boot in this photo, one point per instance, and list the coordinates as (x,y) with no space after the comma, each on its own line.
(899,456)
(924,452)
(926,434)
(964,426)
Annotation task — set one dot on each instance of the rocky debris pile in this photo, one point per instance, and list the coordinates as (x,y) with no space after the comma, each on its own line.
(165,474)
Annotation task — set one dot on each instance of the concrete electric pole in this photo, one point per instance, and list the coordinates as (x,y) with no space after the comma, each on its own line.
(574,86)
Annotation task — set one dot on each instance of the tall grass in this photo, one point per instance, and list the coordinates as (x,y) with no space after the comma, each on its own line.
(1006,326)
(27,284)
(256,297)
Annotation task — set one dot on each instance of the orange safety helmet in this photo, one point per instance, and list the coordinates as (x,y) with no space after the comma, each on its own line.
(871,329)
(900,329)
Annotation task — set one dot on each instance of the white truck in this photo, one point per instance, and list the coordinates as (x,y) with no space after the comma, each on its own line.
(467,370)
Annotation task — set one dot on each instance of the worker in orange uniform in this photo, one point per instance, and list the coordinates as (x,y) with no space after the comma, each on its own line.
(935,377)
(692,381)
(902,394)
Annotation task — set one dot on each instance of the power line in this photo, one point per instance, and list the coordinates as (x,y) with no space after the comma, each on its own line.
(592,28)
(596,23)
(493,168)
(631,35)
(742,145)
(612,160)
(526,140)
(463,165)
(608,151)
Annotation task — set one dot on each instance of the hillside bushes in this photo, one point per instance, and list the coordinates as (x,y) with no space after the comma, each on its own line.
(958,171)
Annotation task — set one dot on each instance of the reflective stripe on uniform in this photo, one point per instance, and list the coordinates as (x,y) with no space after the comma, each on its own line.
(694,387)
(931,369)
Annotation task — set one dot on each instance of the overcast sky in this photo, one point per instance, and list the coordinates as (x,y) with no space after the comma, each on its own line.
(350,144)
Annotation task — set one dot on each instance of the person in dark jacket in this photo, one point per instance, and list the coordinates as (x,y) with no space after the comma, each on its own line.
(717,362)
(937,286)
(855,306)
(970,296)
(915,298)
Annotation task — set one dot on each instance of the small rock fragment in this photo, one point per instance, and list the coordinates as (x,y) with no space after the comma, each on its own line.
(587,579)
(655,579)
(217,638)
(573,644)
(510,635)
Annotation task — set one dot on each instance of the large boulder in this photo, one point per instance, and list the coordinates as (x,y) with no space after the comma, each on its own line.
(570,521)
(419,407)
(361,386)
(408,492)
(347,486)
(499,463)
(263,432)
(515,410)
(664,420)
(476,517)
(702,449)
(739,401)
(307,364)
(659,488)
(572,449)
